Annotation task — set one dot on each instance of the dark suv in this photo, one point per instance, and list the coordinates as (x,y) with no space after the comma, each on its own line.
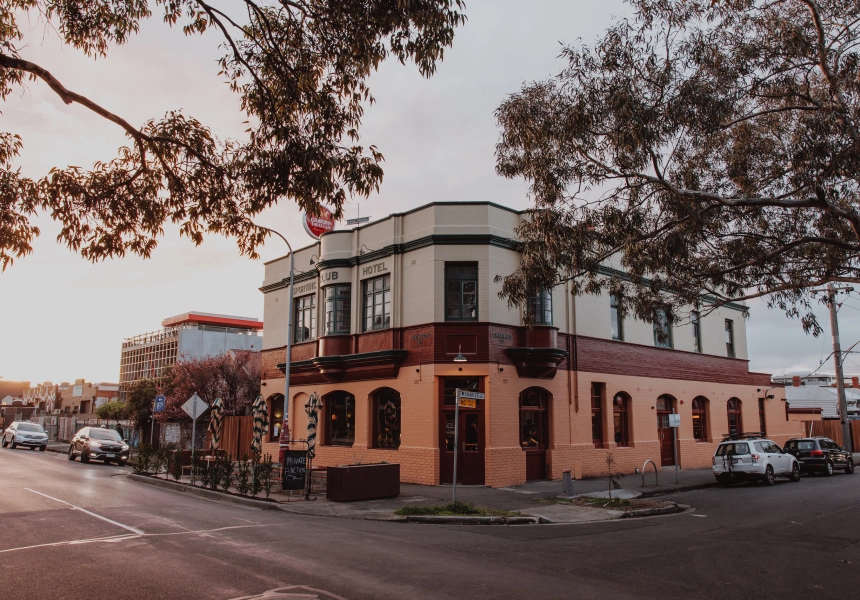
(101,444)
(820,454)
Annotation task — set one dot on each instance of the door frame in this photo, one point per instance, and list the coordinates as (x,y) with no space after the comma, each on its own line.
(471,471)
(672,404)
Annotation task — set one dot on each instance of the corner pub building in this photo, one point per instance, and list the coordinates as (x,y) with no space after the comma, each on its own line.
(381,311)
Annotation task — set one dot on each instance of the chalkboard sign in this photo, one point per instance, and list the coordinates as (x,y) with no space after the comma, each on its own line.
(295,467)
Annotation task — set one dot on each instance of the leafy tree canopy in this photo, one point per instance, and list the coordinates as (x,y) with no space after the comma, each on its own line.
(113,410)
(139,398)
(300,69)
(702,146)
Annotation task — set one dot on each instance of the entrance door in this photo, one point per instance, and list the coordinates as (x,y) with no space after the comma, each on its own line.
(534,431)
(664,409)
(470,455)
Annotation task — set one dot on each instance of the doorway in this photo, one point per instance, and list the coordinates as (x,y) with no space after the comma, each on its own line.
(665,407)
(534,431)
(470,455)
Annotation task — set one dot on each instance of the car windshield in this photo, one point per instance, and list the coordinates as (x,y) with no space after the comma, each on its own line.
(30,427)
(105,434)
(800,445)
(726,449)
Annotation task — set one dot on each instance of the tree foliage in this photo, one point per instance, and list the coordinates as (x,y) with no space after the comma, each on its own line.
(704,147)
(139,399)
(233,377)
(113,410)
(300,70)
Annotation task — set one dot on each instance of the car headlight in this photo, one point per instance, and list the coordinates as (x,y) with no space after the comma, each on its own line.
(124,447)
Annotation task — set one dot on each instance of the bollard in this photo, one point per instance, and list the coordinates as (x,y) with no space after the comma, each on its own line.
(566,484)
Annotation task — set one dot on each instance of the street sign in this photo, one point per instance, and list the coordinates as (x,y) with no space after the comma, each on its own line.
(160,402)
(674,420)
(468,403)
(470,394)
(194,406)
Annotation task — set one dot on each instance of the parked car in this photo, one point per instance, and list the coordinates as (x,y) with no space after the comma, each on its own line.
(100,444)
(22,433)
(753,457)
(820,454)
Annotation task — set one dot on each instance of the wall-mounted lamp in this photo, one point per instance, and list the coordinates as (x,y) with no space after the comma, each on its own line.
(362,249)
(460,358)
(314,259)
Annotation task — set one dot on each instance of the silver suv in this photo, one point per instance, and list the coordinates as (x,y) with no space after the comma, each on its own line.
(752,457)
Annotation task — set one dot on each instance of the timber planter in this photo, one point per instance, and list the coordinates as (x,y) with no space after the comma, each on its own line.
(349,483)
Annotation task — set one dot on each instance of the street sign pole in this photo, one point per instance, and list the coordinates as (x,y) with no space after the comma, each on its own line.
(676,422)
(456,437)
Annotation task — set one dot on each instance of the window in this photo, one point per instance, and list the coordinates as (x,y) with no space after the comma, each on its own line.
(386,419)
(733,449)
(730,339)
(733,407)
(276,402)
(615,318)
(620,418)
(700,419)
(451,384)
(337,311)
(662,329)
(540,305)
(305,319)
(340,419)
(534,419)
(761,446)
(761,423)
(461,291)
(377,303)
(697,331)
(597,391)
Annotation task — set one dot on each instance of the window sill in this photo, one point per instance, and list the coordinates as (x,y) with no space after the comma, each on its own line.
(340,445)
(386,449)
(598,446)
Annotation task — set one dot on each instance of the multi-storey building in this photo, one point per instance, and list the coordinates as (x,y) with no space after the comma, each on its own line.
(186,336)
(382,311)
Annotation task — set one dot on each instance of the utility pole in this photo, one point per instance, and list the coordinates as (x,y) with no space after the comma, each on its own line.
(840,380)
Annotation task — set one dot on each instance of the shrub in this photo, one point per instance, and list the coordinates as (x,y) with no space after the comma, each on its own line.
(242,477)
(143,458)
(226,472)
(176,464)
(256,480)
(266,468)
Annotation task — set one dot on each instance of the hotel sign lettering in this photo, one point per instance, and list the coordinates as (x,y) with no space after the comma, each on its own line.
(373,269)
(423,337)
(308,287)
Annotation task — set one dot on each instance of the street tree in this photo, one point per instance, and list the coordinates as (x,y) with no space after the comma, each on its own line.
(300,71)
(114,410)
(710,149)
(140,397)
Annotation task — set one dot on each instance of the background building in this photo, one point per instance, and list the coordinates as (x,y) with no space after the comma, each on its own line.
(186,336)
(381,311)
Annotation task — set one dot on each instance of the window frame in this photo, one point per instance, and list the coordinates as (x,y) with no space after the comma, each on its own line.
(615,319)
(542,411)
(598,395)
(368,285)
(700,409)
(450,278)
(730,338)
(328,402)
(623,411)
(669,343)
(738,411)
(305,311)
(696,322)
(376,430)
(761,417)
(334,315)
(540,305)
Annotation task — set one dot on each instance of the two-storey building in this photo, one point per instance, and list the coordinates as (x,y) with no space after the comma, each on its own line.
(381,311)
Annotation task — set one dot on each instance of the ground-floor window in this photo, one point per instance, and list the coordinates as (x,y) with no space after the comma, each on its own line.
(761,423)
(700,419)
(534,418)
(733,409)
(386,419)
(340,419)
(621,418)
(597,391)
(276,402)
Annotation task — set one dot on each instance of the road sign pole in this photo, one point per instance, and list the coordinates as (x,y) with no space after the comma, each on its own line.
(456,437)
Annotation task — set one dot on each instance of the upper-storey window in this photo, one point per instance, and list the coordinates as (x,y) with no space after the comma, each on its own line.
(615,318)
(697,331)
(305,318)
(377,303)
(730,338)
(337,308)
(540,306)
(461,291)
(662,329)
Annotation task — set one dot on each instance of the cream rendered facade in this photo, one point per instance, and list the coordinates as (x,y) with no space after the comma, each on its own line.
(559,362)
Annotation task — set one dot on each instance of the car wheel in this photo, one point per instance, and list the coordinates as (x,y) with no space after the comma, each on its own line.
(769,479)
(5,442)
(42,448)
(85,456)
(828,468)
(71,454)
(121,463)
(14,445)
(849,468)
(795,473)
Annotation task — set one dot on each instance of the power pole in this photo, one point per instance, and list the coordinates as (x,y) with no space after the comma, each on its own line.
(837,358)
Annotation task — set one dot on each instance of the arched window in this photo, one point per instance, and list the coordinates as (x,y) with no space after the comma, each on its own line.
(386,419)
(340,418)
(700,419)
(621,418)
(276,415)
(733,408)
(534,419)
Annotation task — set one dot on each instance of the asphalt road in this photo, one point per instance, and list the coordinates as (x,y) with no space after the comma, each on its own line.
(84,531)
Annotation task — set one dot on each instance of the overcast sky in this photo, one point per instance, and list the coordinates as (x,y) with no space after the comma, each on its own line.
(62,318)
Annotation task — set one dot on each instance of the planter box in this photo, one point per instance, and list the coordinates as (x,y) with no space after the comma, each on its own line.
(362,482)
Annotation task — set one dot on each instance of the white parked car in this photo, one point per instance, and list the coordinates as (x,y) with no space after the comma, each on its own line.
(22,433)
(753,457)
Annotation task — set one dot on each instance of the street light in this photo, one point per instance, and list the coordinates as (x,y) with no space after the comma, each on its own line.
(460,358)
(289,335)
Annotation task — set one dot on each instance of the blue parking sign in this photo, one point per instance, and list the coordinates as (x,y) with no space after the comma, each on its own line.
(160,401)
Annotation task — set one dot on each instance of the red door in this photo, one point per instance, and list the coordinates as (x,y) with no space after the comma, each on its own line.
(667,454)
(470,455)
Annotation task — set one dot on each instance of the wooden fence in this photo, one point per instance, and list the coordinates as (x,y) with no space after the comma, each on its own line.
(831,428)
(236,436)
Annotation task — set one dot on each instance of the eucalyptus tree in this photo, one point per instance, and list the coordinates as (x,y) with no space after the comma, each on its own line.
(300,70)
(709,148)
